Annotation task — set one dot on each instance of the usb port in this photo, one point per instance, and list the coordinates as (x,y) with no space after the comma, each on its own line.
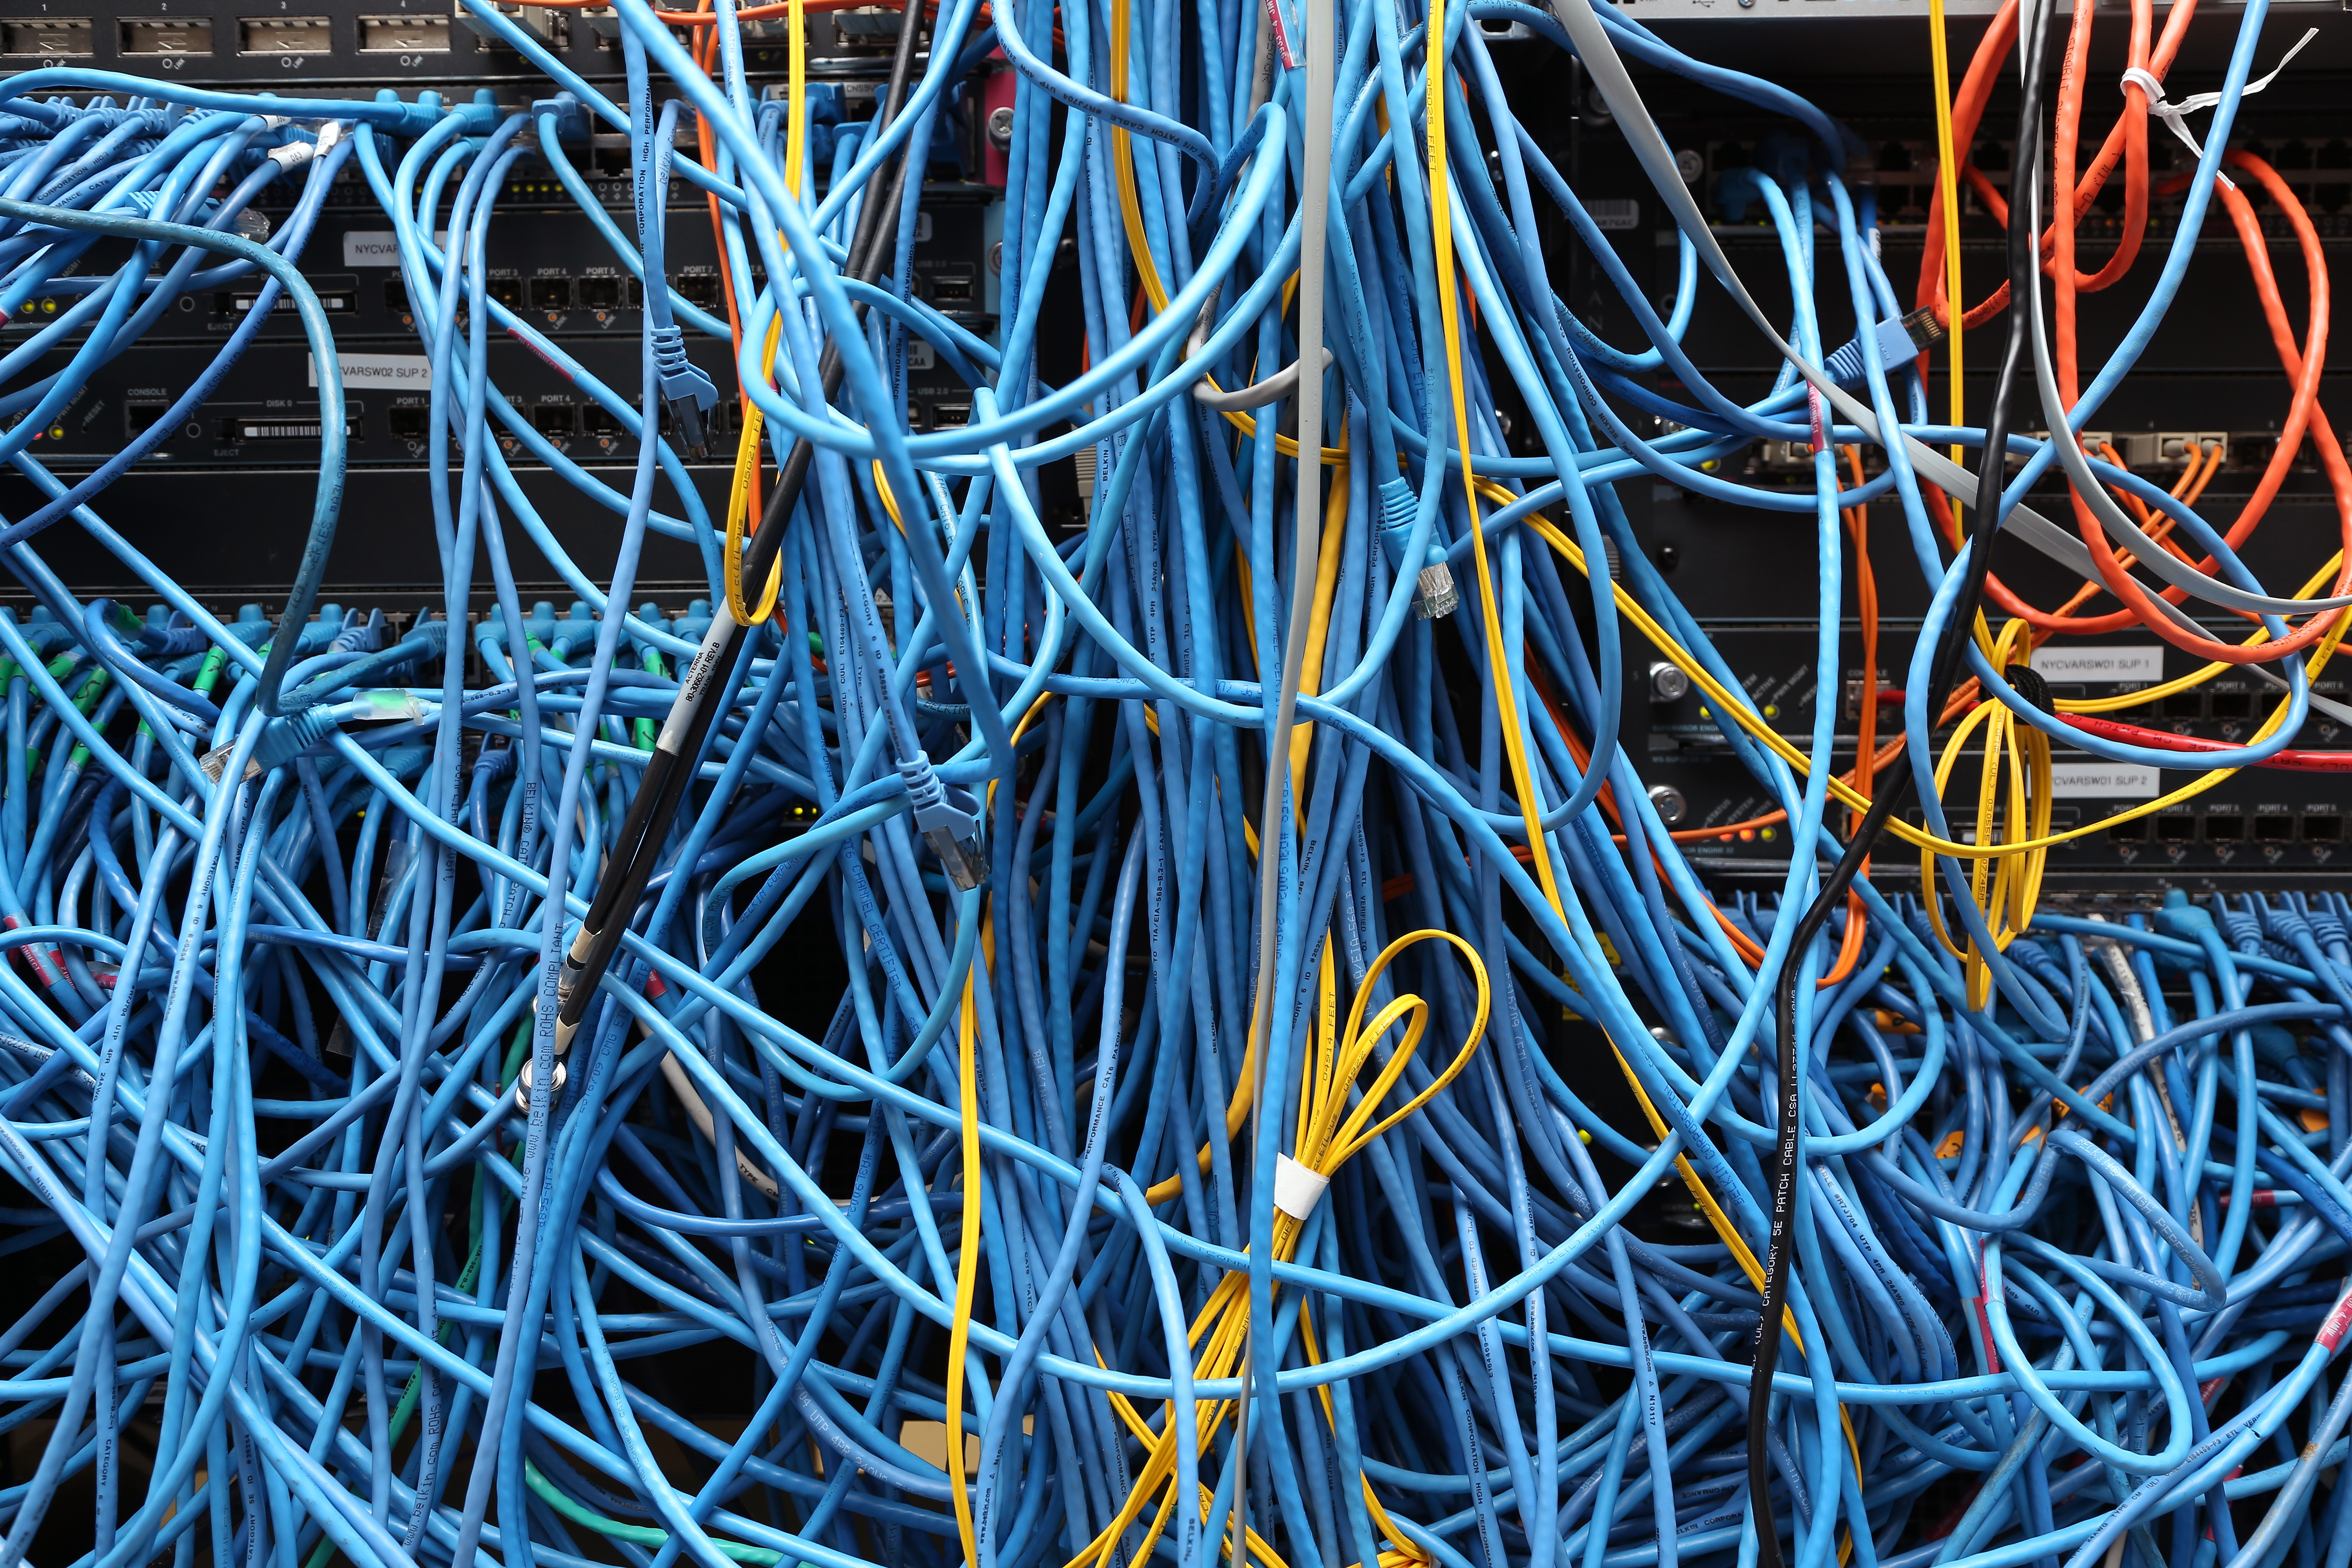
(403,35)
(411,421)
(951,291)
(175,36)
(556,421)
(600,293)
(50,37)
(138,417)
(947,416)
(2274,829)
(285,36)
(550,293)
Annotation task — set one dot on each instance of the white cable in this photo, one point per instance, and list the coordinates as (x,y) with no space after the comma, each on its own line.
(2175,114)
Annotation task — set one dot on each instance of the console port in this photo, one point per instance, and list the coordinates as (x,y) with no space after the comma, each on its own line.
(2274,829)
(166,36)
(2230,704)
(2133,830)
(952,291)
(2328,830)
(2221,829)
(556,421)
(600,293)
(403,35)
(550,293)
(2176,829)
(53,38)
(411,421)
(139,416)
(2185,705)
(699,289)
(285,36)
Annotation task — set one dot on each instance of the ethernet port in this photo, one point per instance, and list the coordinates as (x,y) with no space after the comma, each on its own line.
(2274,829)
(2322,829)
(600,293)
(2230,704)
(411,421)
(2133,830)
(507,292)
(2220,829)
(138,418)
(395,296)
(2178,829)
(635,290)
(602,422)
(556,421)
(699,289)
(550,293)
(2185,705)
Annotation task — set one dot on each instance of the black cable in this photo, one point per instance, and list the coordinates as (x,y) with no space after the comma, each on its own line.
(1984,526)
(670,768)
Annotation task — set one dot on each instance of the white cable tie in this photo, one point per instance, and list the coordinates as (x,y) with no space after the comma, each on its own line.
(1297,1189)
(2175,114)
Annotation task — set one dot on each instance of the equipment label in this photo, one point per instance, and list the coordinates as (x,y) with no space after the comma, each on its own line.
(378,246)
(394,372)
(2102,780)
(2096,663)
(1611,213)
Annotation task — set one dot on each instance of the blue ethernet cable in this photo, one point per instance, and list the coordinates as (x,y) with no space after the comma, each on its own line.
(2076,1246)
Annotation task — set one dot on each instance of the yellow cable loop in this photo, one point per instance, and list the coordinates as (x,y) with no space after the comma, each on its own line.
(1329,1132)
(2005,890)
(738,498)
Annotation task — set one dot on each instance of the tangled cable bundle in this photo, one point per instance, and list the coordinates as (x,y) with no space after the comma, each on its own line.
(398,1071)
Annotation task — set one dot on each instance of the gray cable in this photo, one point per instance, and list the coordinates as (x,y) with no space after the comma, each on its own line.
(1314,195)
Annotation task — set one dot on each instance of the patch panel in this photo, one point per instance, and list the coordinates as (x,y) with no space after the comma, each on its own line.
(553,267)
(402,43)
